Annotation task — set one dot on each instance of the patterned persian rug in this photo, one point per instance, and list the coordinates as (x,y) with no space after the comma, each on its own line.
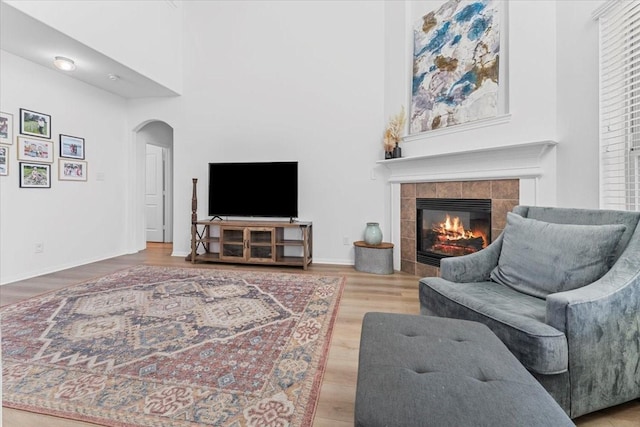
(153,346)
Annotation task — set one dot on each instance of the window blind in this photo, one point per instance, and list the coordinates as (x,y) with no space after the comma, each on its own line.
(619,23)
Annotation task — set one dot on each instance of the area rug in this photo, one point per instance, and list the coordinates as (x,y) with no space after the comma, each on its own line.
(154,346)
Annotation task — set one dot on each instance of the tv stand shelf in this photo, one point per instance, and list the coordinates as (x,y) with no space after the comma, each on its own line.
(249,242)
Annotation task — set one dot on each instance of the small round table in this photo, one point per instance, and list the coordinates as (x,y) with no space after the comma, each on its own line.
(377,259)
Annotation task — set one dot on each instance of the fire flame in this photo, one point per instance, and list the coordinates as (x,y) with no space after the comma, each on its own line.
(453,229)
(452,239)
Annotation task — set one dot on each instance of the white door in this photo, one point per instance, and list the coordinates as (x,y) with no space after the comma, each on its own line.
(154,198)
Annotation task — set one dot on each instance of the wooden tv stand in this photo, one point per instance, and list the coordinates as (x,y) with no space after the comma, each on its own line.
(249,242)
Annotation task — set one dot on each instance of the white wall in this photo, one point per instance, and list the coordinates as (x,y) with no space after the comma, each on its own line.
(144,35)
(76,222)
(578,113)
(287,81)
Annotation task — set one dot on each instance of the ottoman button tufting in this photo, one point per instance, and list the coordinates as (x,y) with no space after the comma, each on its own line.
(459,374)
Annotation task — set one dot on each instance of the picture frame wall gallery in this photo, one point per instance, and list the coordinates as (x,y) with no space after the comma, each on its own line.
(6,128)
(36,152)
(4,162)
(35,124)
(72,170)
(71,147)
(35,175)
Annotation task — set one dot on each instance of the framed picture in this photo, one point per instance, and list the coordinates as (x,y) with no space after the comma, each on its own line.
(35,150)
(6,128)
(35,124)
(71,147)
(4,160)
(35,175)
(72,170)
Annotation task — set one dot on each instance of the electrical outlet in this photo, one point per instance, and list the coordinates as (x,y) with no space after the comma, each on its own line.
(345,240)
(39,248)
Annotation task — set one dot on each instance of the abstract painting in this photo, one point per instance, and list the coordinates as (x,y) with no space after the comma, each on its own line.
(455,65)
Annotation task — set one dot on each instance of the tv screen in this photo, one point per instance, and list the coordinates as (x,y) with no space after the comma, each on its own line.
(266,189)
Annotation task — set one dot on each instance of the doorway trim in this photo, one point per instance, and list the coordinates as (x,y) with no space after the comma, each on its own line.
(136,187)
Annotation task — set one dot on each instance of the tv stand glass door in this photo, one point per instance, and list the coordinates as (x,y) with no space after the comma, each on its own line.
(260,244)
(232,243)
(247,244)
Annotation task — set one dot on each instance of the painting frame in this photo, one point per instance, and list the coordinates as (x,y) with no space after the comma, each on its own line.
(458,54)
(35,150)
(6,128)
(30,124)
(27,180)
(72,147)
(72,170)
(4,160)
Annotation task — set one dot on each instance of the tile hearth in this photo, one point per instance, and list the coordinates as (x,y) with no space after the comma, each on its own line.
(503,193)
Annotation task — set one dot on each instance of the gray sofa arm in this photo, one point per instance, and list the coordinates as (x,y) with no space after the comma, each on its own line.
(475,267)
(614,293)
(601,322)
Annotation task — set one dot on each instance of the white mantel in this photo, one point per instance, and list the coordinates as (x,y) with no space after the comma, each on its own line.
(532,162)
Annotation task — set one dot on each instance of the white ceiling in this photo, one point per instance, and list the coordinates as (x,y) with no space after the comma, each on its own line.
(30,39)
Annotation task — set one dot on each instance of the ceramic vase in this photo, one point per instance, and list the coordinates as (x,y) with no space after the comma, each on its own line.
(372,234)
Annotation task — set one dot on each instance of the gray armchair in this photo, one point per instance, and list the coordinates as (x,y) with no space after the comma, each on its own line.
(561,288)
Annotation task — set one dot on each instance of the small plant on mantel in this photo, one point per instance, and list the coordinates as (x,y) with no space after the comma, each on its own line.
(393,135)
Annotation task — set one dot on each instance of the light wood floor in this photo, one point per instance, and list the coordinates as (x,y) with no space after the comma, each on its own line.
(364,292)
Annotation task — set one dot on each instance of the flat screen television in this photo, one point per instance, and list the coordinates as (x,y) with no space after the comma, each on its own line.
(254,189)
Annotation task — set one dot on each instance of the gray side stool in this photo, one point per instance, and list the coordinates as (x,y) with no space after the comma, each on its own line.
(376,259)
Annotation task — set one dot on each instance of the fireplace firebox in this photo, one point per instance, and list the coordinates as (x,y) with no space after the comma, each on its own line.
(451,227)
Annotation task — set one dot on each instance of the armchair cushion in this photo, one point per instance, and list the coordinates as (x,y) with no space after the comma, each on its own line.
(540,258)
(516,318)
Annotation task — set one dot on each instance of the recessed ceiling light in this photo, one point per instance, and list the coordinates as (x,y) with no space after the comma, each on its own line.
(64,64)
(113,77)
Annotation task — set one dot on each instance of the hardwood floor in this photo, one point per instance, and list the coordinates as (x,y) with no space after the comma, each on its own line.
(364,292)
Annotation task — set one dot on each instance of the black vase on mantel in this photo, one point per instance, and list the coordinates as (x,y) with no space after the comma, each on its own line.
(397,152)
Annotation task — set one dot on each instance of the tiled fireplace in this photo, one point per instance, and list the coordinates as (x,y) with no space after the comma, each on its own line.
(505,175)
(501,195)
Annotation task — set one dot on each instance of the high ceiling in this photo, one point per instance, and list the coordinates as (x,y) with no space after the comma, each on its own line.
(32,40)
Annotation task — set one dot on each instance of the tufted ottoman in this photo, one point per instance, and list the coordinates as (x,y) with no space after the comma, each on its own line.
(417,370)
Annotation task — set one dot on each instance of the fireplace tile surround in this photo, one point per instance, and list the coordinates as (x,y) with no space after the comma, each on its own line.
(509,173)
(503,193)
